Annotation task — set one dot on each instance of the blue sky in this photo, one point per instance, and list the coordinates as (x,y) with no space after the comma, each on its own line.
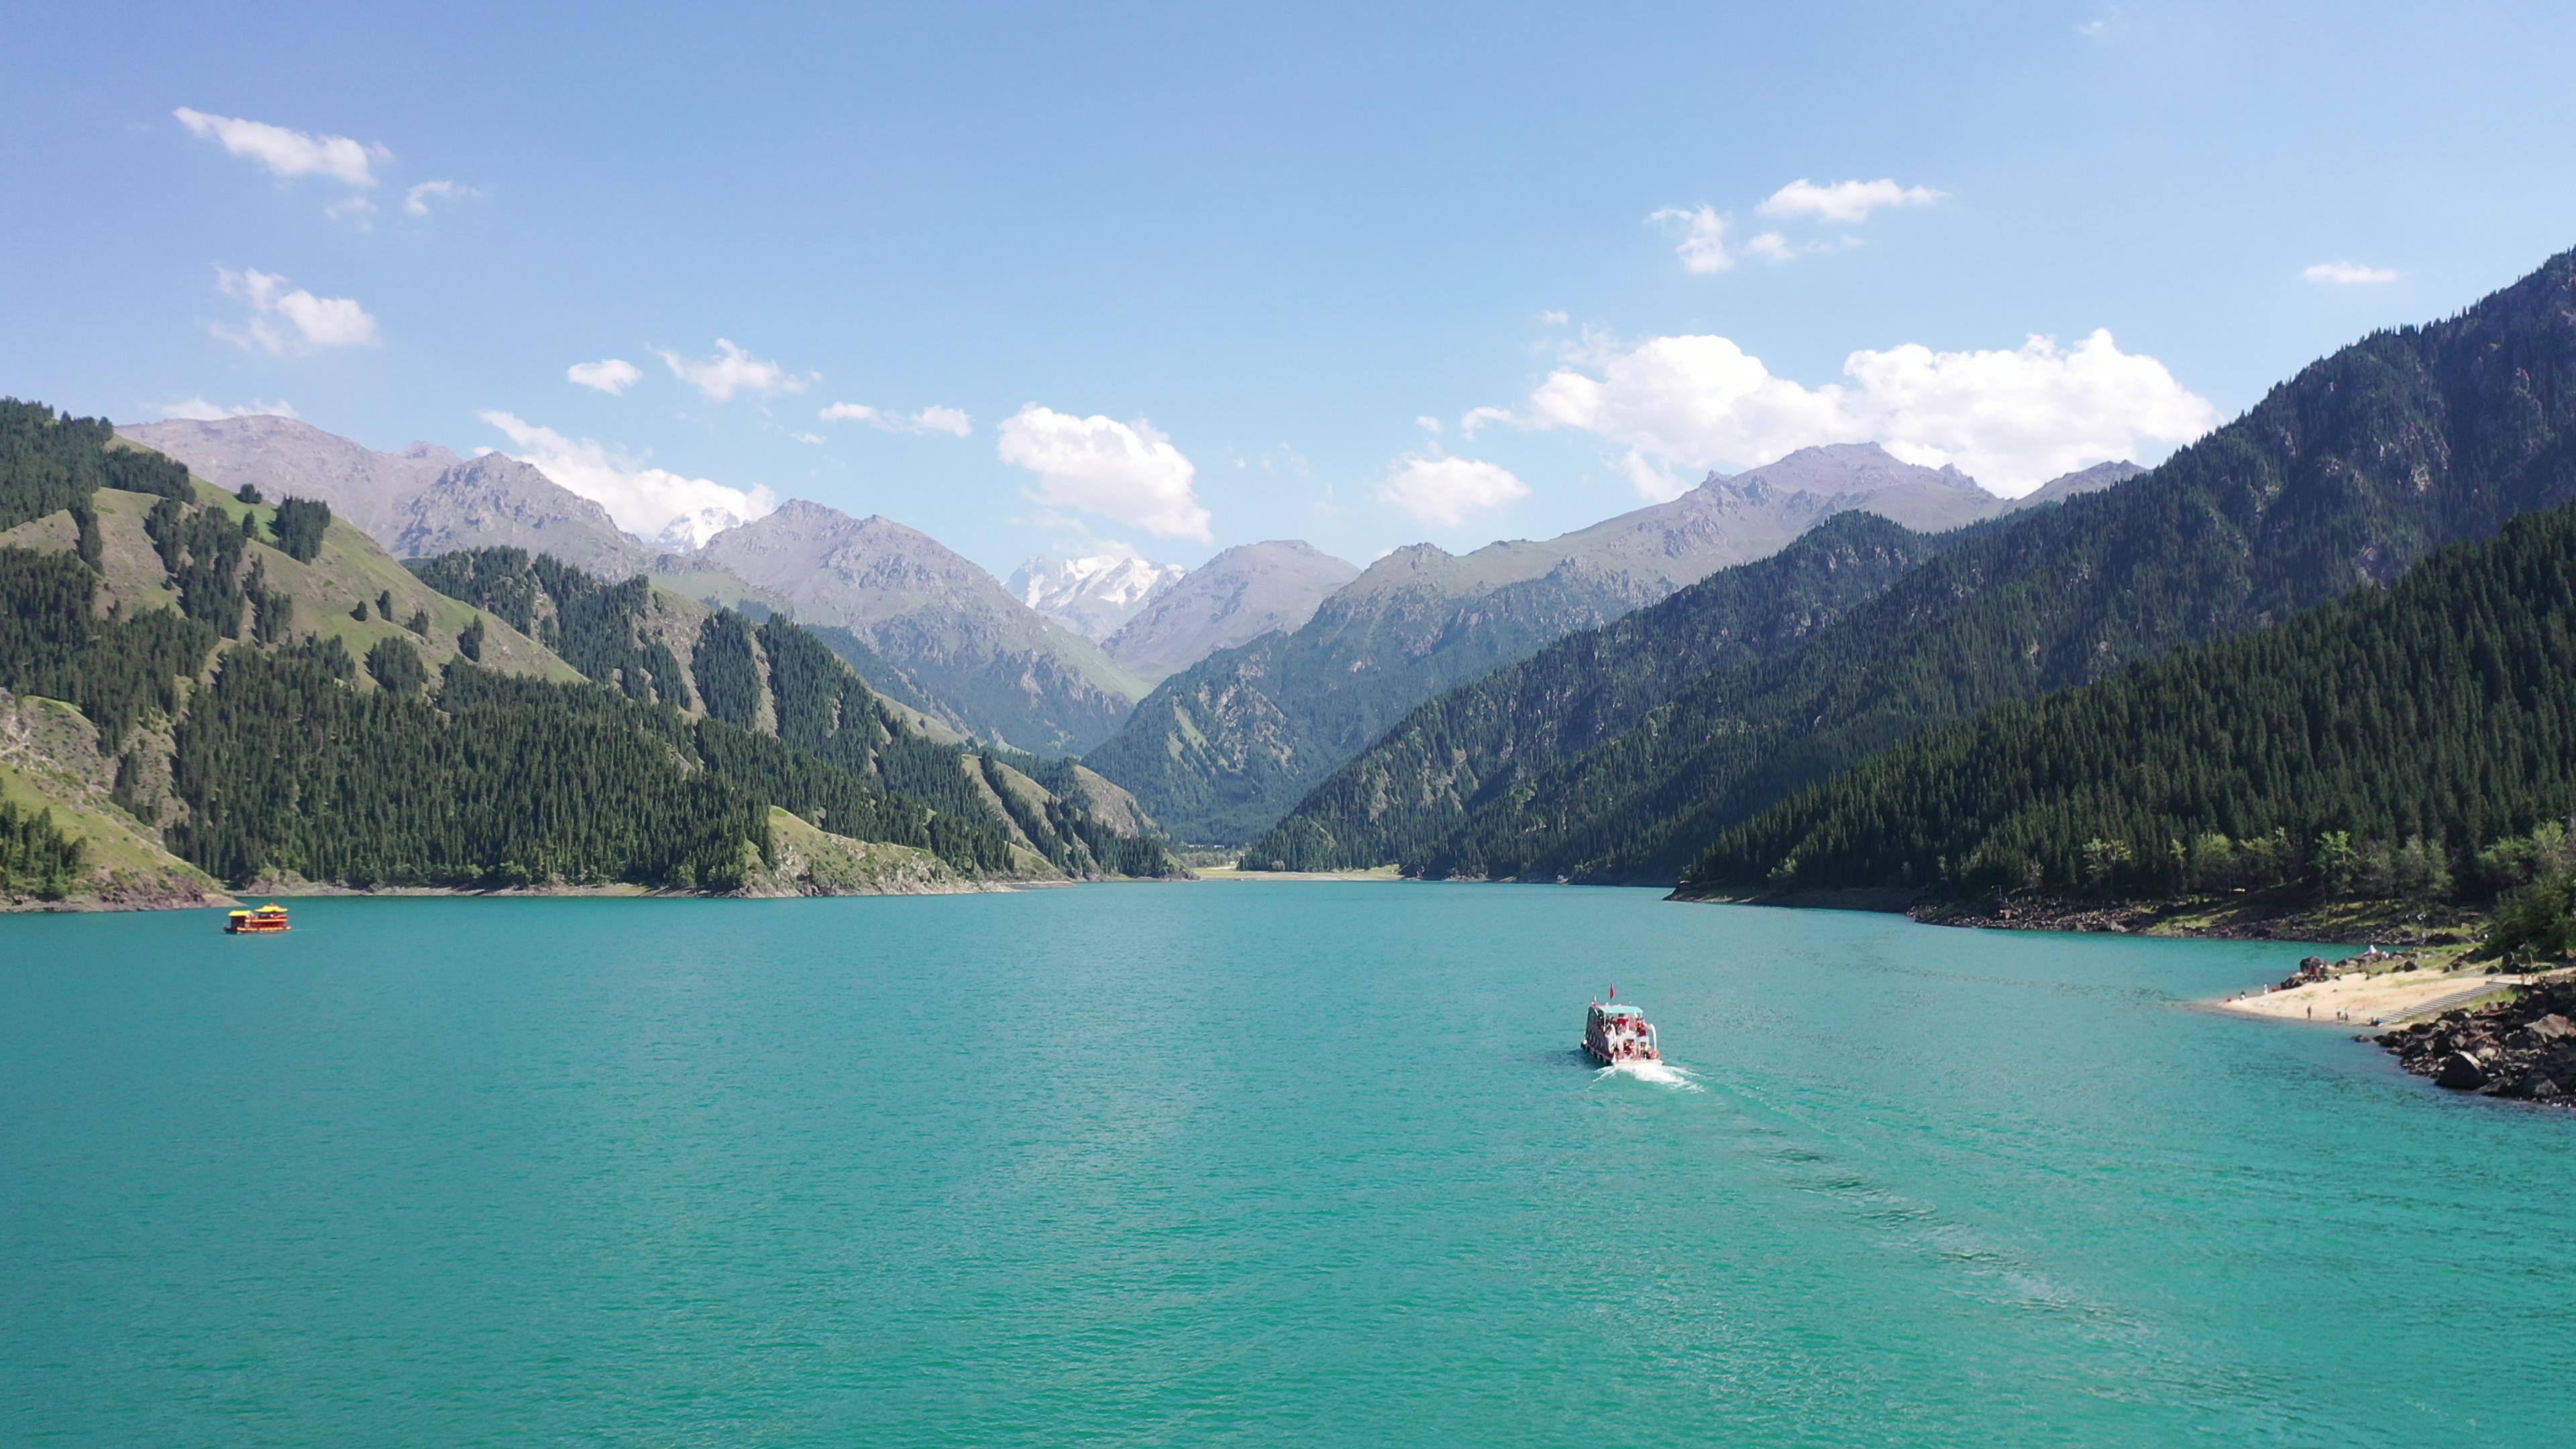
(1194,276)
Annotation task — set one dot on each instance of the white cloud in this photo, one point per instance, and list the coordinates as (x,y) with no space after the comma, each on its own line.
(611,375)
(1703,244)
(955,422)
(732,370)
(2010,419)
(2348,274)
(1427,423)
(809,437)
(1773,245)
(1844,201)
(1443,491)
(289,153)
(643,500)
(1475,420)
(311,323)
(1126,471)
(1554,318)
(197,409)
(357,209)
(416,200)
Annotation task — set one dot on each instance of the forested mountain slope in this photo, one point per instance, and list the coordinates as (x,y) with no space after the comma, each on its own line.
(2345,475)
(1459,749)
(2387,732)
(270,696)
(777,679)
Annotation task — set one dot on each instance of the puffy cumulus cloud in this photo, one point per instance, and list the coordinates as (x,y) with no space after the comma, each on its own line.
(1442,491)
(1697,401)
(2348,274)
(287,153)
(288,322)
(1772,245)
(644,500)
(1125,471)
(198,410)
(416,200)
(1848,202)
(955,422)
(2013,420)
(1703,244)
(732,370)
(2010,419)
(611,375)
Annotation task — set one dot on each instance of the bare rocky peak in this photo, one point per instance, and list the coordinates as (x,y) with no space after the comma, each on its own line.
(1234,598)
(285,456)
(1647,553)
(421,501)
(1848,468)
(495,501)
(2087,480)
(839,569)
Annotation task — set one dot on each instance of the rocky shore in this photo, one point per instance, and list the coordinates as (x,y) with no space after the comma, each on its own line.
(2233,918)
(2523,1048)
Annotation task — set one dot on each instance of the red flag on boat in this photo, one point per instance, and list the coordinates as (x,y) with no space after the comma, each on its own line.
(1614,993)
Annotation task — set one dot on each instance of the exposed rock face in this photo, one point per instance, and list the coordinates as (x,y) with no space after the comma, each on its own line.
(1004,671)
(1092,596)
(2524,1048)
(419,502)
(287,456)
(495,500)
(1235,598)
(2090,480)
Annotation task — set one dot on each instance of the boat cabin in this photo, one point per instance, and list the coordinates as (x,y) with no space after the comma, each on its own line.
(267,920)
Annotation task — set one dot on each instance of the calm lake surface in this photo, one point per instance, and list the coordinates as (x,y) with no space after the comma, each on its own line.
(1234,1164)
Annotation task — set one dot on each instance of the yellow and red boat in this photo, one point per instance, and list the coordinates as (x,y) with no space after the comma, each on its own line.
(268,920)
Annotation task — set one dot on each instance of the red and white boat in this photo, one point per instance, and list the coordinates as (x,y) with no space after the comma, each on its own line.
(1613,1034)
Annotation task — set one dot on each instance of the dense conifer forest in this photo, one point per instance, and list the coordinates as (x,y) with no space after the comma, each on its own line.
(2417,743)
(838,756)
(36,859)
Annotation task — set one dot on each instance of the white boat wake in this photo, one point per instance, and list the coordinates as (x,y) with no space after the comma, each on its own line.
(1662,1074)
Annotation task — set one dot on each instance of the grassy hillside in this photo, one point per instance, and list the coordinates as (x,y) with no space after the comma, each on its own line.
(49,761)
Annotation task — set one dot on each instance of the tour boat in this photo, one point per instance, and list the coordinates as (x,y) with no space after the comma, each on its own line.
(268,920)
(1613,1034)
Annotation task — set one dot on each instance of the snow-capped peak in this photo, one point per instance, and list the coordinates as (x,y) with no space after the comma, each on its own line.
(1092,596)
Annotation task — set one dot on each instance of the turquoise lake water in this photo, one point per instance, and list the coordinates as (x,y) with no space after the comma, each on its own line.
(1234,1164)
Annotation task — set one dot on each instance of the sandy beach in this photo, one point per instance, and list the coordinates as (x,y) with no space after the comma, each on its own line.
(2383,997)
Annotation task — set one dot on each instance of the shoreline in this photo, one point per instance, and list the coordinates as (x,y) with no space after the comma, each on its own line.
(2270,916)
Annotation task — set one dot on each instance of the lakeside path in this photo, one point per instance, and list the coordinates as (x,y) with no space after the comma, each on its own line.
(2385,997)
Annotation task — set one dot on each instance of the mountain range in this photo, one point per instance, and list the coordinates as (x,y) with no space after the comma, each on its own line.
(2341,478)
(421,501)
(195,689)
(1222,749)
